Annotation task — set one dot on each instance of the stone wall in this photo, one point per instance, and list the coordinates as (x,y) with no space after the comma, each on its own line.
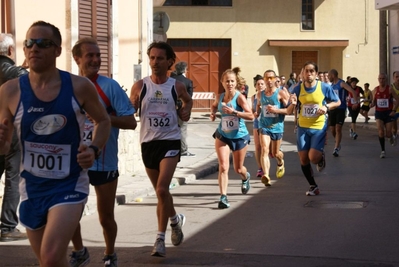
(129,155)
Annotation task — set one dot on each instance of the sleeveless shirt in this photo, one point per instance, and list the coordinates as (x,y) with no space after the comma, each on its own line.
(383,100)
(310,103)
(158,115)
(271,121)
(341,93)
(230,126)
(50,134)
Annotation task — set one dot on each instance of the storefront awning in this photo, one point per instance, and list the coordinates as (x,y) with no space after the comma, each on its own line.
(309,43)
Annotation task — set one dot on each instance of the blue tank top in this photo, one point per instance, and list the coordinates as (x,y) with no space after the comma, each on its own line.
(231,126)
(50,134)
(273,122)
(341,93)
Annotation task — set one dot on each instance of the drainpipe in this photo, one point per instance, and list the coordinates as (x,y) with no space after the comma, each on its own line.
(366,21)
(383,42)
(150,34)
(140,30)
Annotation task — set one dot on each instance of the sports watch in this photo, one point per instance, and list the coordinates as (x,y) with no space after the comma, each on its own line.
(96,150)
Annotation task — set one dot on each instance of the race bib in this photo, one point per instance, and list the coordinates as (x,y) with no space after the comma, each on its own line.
(157,122)
(229,123)
(47,160)
(353,101)
(88,133)
(267,114)
(310,110)
(383,103)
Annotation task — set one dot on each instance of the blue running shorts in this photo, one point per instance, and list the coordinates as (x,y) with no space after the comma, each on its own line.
(273,136)
(308,138)
(33,212)
(234,144)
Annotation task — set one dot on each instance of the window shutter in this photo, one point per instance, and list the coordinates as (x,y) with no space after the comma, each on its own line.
(95,20)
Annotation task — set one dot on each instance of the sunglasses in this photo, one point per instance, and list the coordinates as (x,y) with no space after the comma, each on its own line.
(41,43)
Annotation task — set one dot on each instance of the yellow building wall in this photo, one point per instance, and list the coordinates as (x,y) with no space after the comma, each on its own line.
(250,24)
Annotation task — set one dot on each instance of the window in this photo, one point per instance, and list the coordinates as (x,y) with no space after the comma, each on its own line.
(198,3)
(307,15)
(95,20)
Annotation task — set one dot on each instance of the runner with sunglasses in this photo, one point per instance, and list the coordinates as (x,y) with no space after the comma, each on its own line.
(47,113)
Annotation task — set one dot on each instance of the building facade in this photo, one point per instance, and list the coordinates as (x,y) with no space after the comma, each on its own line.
(392,9)
(122,28)
(258,35)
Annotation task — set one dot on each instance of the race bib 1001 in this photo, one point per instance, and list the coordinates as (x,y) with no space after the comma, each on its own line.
(47,160)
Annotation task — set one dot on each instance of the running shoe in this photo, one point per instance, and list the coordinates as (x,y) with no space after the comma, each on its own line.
(354,136)
(313,191)
(280,170)
(392,140)
(266,180)
(79,259)
(350,133)
(159,248)
(177,233)
(395,138)
(367,120)
(223,203)
(110,260)
(322,163)
(336,150)
(259,173)
(245,186)
(382,155)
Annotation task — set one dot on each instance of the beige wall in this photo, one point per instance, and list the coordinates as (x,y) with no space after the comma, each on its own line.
(250,24)
(132,40)
(126,32)
(393,41)
(27,12)
(127,41)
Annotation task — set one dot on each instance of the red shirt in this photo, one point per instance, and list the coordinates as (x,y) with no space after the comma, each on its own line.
(383,100)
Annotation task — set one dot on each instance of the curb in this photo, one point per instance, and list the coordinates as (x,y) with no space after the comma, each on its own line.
(181,177)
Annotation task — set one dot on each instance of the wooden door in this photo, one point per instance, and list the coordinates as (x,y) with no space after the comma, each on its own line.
(299,58)
(207,59)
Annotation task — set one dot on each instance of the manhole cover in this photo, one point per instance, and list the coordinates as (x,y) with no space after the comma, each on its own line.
(336,204)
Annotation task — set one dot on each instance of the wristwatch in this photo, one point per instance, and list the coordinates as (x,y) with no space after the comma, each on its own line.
(328,109)
(96,150)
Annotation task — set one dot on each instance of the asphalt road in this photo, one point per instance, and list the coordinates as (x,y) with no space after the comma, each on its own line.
(352,223)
